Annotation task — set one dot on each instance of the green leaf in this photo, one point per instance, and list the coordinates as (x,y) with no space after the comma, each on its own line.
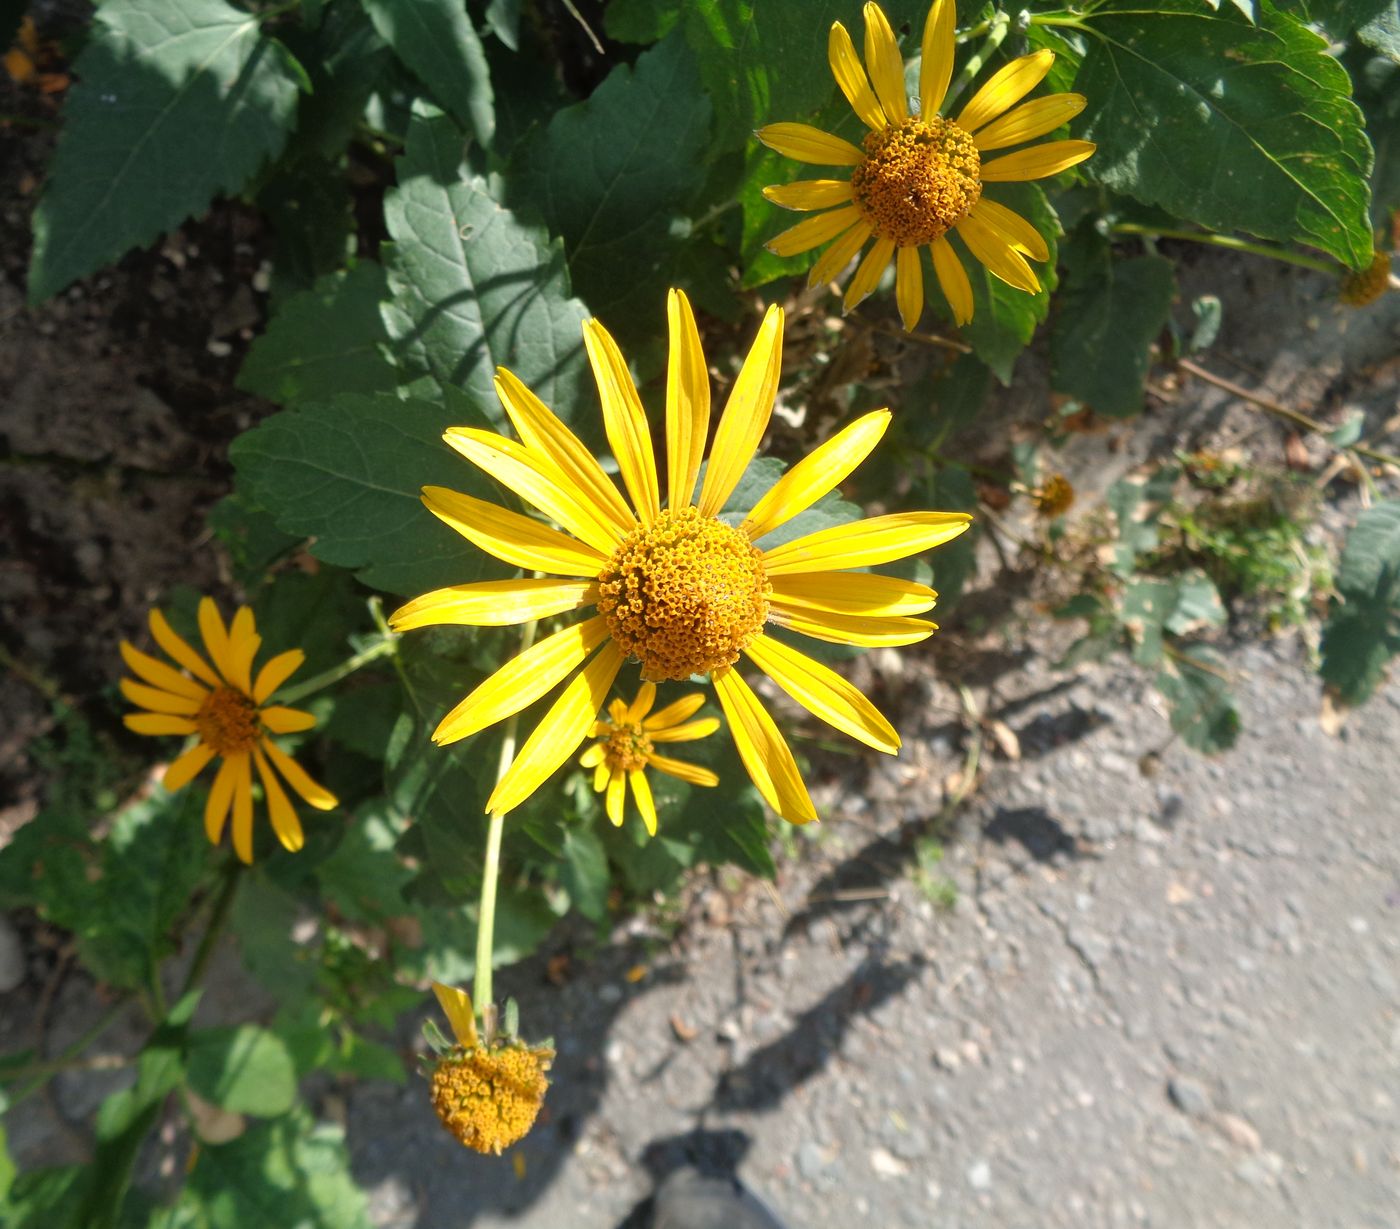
(1154,606)
(325,341)
(346,60)
(1198,694)
(584,871)
(1137,503)
(611,175)
(1109,314)
(1232,125)
(308,203)
(1362,632)
(45,1198)
(175,102)
(436,39)
(475,288)
(348,472)
(245,1069)
(1370,562)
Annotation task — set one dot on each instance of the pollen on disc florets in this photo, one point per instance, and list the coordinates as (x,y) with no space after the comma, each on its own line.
(627,748)
(684,594)
(489,1098)
(919,179)
(227,721)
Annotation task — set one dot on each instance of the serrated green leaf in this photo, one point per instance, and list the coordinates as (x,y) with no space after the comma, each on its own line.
(610,175)
(584,871)
(327,340)
(437,40)
(1153,606)
(174,104)
(247,1070)
(1108,315)
(349,471)
(1198,694)
(474,288)
(1370,565)
(1232,125)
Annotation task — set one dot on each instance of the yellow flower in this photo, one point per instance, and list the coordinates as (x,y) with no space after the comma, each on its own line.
(921,176)
(627,748)
(488,1096)
(226,709)
(677,588)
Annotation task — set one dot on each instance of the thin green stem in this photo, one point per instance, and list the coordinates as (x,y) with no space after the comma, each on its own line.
(997,30)
(67,1057)
(233,876)
(380,648)
(1233,244)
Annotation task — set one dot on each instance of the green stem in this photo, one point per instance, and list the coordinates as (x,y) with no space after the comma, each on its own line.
(997,30)
(67,1058)
(233,876)
(380,648)
(1233,244)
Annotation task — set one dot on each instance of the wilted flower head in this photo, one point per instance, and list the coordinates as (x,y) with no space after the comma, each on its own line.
(1364,286)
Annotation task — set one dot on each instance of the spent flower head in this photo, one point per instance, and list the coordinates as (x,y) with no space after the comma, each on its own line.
(672,585)
(216,699)
(919,176)
(1362,287)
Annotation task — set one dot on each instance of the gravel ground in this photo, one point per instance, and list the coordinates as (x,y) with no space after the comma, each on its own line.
(1158,1000)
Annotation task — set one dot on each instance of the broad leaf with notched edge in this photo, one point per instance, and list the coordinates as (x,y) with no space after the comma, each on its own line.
(348,472)
(247,1070)
(1202,708)
(609,174)
(176,102)
(1232,125)
(437,40)
(1108,315)
(327,340)
(474,288)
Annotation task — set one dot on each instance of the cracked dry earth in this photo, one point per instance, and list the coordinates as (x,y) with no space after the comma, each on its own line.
(1166,1000)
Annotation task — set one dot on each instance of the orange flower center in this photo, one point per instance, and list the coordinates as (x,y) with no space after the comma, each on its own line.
(919,180)
(626,748)
(684,594)
(489,1099)
(228,721)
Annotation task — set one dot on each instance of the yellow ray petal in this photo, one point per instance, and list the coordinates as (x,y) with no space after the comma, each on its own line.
(160,701)
(817,473)
(617,710)
(868,275)
(543,432)
(243,645)
(861,630)
(494,603)
(763,750)
(952,279)
(808,144)
(813,232)
(187,766)
(243,808)
(276,671)
(936,69)
(988,245)
(158,674)
(616,801)
(1012,227)
(1037,162)
(1030,120)
(909,286)
(641,791)
(624,420)
(179,650)
(860,593)
(523,679)
(537,481)
(877,539)
(850,76)
(839,254)
(641,706)
(823,693)
(1006,87)
(560,732)
(282,720)
(214,634)
(601,776)
(519,540)
(746,414)
(675,713)
(686,772)
(885,63)
(284,817)
(221,797)
(687,402)
(457,1007)
(297,777)
(806,194)
(158,723)
(686,732)
(593,756)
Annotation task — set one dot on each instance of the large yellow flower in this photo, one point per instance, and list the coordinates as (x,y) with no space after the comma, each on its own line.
(921,176)
(227,711)
(627,748)
(673,586)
